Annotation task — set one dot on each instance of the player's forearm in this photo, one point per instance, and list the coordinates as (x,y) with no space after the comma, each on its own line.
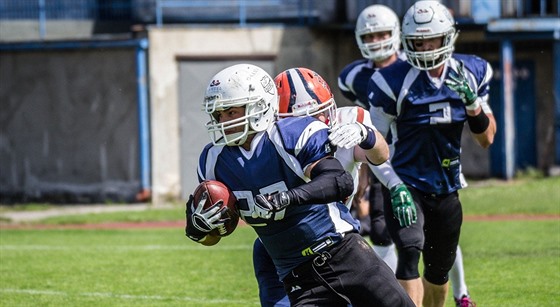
(483,127)
(386,174)
(329,182)
(380,151)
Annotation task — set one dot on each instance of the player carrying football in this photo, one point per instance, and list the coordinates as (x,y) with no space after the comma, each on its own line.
(289,188)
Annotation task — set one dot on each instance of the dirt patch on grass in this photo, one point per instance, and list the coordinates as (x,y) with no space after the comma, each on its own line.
(511,217)
(115,225)
(181,224)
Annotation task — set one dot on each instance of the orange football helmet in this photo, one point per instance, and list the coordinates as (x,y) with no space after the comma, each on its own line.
(303,92)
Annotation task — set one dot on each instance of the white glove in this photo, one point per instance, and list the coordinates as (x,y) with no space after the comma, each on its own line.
(206,220)
(348,135)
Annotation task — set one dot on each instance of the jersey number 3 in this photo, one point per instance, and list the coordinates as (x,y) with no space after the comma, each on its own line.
(445,110)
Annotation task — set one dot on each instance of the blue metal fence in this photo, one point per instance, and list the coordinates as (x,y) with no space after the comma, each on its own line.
(238,11)
(242,11)
(247,12)
(64,9)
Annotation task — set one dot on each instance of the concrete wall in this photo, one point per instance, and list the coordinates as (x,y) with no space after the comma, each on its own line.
(68,126)
(324,51)
(167,45)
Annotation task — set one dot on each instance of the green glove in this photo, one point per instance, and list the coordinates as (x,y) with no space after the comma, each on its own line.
(459,84)
(403,206)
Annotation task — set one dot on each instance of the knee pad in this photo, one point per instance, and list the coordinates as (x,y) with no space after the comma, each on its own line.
(435,276)
(407,267)
(379,234)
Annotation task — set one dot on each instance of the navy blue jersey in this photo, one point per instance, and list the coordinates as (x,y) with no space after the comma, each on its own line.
(426,120)
(276,162)
(353,80)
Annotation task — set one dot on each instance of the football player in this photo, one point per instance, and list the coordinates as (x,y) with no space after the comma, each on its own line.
(288,188)
(425,102)
(378,38)
(303,92)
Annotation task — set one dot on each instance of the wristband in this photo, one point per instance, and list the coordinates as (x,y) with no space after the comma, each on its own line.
(473,105)
(370,140)
(478,123)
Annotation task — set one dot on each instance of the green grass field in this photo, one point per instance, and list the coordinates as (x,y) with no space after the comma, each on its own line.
(508,263)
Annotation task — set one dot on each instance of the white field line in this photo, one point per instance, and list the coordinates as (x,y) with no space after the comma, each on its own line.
(197,300)
(122,247)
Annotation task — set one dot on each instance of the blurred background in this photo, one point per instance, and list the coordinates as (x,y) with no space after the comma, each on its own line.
(101,100)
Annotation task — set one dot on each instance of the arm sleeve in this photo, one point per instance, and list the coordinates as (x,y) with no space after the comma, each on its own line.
(381,120)
(329,182)
(386,175)
(486,84)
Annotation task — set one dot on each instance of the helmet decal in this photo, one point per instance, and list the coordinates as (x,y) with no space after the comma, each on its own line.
(268,85)
(428,19)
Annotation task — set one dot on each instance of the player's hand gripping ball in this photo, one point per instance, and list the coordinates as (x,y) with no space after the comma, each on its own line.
(218,192)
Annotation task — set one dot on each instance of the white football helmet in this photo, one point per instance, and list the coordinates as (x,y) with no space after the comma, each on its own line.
(241,85)
(426,20)
(378,18)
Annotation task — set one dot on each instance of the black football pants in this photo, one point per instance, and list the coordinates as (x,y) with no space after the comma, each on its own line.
(348,273)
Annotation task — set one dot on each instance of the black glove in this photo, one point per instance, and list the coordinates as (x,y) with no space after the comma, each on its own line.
(200,221)
(268,204)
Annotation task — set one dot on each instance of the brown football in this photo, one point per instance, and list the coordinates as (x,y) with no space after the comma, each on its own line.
(218,191)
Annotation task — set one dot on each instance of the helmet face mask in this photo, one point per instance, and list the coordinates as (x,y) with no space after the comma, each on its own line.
(242,85)
(303,92)
(423,21)
(375,19)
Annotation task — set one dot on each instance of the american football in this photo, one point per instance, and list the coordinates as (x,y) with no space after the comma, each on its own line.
(218,191)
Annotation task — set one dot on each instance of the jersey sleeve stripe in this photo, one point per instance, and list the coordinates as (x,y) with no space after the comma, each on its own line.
(484,99)
(342,86)
(306,135)
(290,160)
(210,162)
(408,80)
(383,85)
(352,76)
